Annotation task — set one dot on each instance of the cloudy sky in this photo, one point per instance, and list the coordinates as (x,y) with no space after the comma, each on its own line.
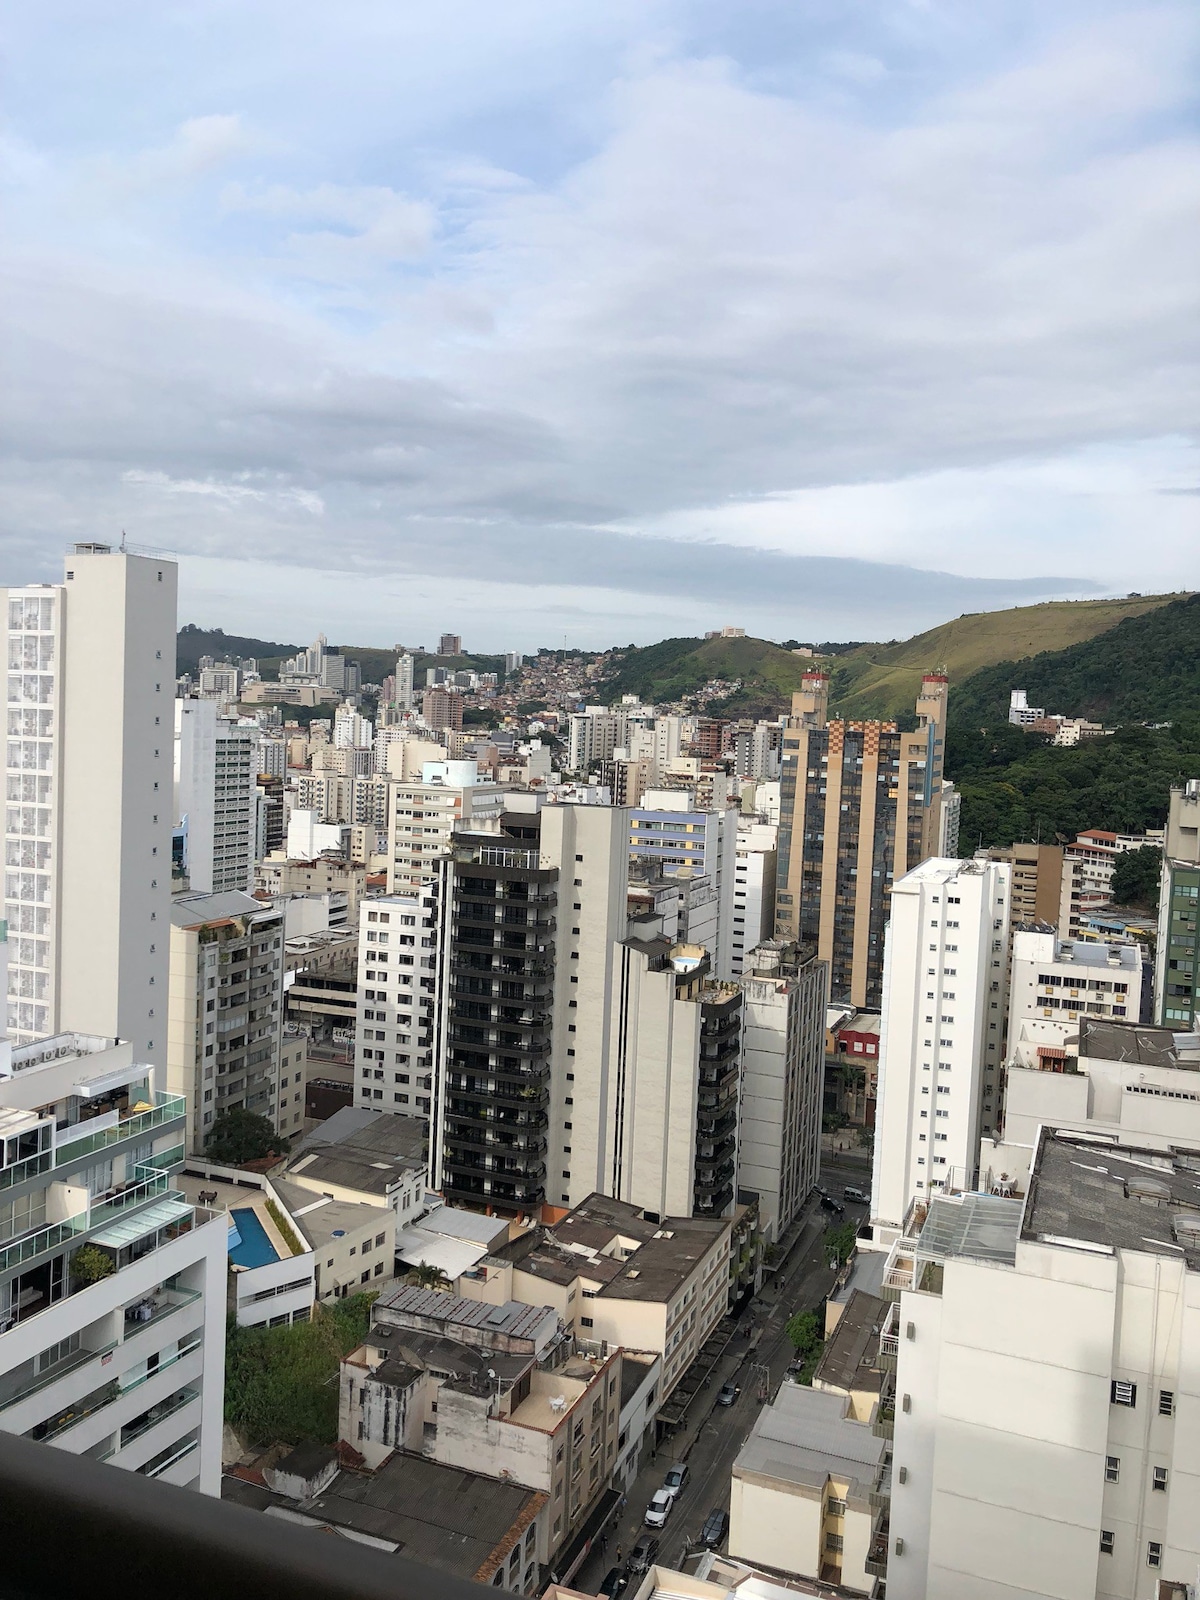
(603,319)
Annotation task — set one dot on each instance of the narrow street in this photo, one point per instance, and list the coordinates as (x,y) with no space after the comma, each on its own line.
(713,1435)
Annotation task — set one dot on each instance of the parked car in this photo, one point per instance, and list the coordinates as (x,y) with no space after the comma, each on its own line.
(856,1196)
(659,1509)
(614,1583)
(676,1478)
(728,1394)
(716,1526)
(645,1553)
(828,1203)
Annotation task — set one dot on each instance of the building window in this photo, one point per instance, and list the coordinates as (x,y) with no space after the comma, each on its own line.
(1124,1394)
(1160,1479)
(1166,1402)
(1112,1469)
(1154,1554)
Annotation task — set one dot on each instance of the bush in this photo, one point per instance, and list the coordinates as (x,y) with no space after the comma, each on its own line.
(89,1264)
(281,1384)
(1136,877)
(237,1137)
(839,1243)
(804,1330)
(287,1232)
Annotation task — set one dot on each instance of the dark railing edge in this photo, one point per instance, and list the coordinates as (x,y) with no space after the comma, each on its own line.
(67,1519)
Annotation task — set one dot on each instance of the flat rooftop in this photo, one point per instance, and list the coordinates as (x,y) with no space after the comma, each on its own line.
(515,1320)
(1122,1197)
(852,1349)
(805,1437)
(1144,1046)
(358,1149)
(459,1522)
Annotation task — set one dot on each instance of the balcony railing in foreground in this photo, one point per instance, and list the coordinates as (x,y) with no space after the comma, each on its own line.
(65,1515)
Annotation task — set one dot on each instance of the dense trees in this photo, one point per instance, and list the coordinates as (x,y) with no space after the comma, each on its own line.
(281,1383)
(240,1136)
(1136,876)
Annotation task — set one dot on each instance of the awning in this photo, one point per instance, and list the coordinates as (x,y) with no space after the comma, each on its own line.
(1051,1052)
(130,1229)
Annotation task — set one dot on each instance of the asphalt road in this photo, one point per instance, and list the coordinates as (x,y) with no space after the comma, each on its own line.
(714,1434)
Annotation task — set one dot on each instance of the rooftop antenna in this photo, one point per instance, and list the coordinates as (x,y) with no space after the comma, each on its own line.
(122,541)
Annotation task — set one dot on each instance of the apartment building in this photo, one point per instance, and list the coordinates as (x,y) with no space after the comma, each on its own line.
(112,1285)
(942,1030)
(1037,882)
(89,784)
(547,1420)
(755,865)
(1046,1405)
(424,815)
(592,737)
(860,807)
(531,912)
(216,778)
(1177,967)
(666,830)
(225,1014)
(280,875)
(802,1496)
(396,1001)
(784,991)
(616,1277)
(442,708)
(659,1129)
(1056,983)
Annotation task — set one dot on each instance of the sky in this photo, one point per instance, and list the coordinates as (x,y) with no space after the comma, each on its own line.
(602,322)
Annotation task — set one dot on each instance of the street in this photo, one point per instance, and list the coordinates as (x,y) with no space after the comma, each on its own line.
(712,1436)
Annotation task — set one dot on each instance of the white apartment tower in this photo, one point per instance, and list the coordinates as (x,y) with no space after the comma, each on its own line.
(753,890)
(112,1284)
(941,1032)
(397,1002)
(216,781)
(404,681)
(1046,1398)
(88,781)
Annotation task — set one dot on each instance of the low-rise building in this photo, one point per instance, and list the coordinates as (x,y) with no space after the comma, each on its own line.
(801,1494)
(365,1156)
(353,1243)
(618,1277)
(1057,984)
(457,1522)
(272,1267)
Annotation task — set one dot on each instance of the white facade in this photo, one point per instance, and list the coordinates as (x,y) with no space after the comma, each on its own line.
(1047,1389)
(424,815)
(783,1072)
(88,827)
(592,736)
(1056,984)
(127,1366)
(397,1002)
(216,776)
(941,1030)
(404,681)
(753,910)
(682,838)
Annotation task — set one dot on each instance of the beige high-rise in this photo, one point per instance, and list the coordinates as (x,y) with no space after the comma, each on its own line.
(860,807)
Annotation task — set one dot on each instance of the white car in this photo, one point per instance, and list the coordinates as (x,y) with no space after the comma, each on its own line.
(659,1509)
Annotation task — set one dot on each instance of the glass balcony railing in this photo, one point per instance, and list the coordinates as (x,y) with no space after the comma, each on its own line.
(70,1147)
(167,1458)
(156,1414)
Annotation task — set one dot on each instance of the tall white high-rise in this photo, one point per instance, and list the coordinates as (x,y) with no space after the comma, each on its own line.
(942,1027)
(216,778)
(88,784)
(404,681)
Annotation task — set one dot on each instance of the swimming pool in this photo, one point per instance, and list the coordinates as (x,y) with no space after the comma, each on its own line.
(248,1242)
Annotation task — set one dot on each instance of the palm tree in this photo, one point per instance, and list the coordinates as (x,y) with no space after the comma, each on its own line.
(425,1276)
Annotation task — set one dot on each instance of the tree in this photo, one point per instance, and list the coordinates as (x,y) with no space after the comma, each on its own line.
(839,1242)
(237,1137)
(426,1276)
(804,1330)
(1136,877)
(89,1264)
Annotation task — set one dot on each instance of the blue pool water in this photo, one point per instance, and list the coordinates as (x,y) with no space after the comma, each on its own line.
(252,1247)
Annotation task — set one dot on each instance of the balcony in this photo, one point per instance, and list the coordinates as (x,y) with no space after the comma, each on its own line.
(899,1272)
(883,1423)
(876,1562)
(889,1339)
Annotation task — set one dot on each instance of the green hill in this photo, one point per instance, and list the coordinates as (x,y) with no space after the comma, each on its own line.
(882,680)
(1146,669)
(665,672)
(192,642)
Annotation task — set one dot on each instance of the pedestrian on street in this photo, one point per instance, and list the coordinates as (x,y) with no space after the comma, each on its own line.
(604,1541)
(618,1555)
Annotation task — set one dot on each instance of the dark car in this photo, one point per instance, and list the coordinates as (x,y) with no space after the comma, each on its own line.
(614,1583)
(644,1555)
(828,1203)
(728,1394)
(716,1526)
